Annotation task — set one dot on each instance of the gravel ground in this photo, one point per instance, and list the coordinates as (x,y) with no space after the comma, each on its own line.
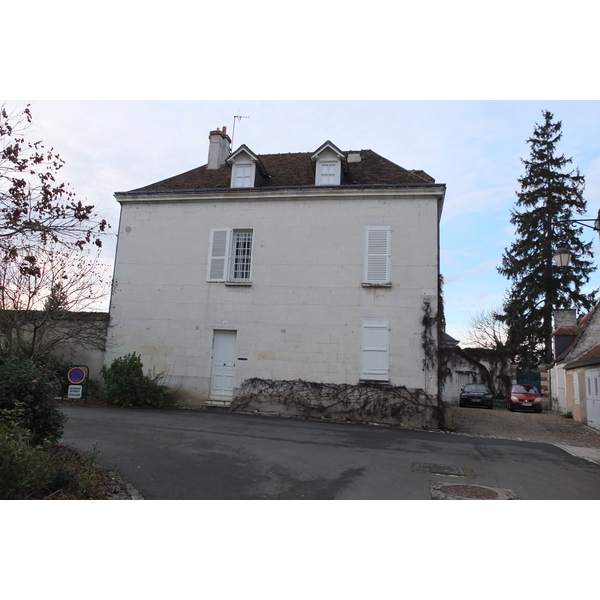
(536,427)
(550,427)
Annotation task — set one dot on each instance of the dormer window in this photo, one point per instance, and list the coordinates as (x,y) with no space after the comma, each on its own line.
(247,171)
(328,161)
(242,176)
(328,173)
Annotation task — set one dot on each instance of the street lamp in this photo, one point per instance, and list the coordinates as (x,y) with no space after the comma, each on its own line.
(562,257)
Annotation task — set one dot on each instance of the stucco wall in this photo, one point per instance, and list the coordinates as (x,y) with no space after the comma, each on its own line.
(89,355)
(301,317)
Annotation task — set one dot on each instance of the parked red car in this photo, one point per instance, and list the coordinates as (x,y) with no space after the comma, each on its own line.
(524,396)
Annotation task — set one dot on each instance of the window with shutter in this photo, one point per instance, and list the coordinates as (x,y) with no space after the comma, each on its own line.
(375,349)
(243,176)
(377,255)
(230,255)
(328,173)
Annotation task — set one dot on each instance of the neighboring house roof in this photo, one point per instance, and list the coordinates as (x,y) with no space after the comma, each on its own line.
(592,357)
(578,331)
(447,341)
(295,170)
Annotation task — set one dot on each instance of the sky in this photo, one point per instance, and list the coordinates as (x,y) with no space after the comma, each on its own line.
(475,147)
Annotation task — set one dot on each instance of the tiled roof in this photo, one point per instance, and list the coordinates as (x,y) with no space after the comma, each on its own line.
(577,332)
(296,169)
(591,357)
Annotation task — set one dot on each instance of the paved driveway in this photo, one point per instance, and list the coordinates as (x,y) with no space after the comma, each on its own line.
(179,454)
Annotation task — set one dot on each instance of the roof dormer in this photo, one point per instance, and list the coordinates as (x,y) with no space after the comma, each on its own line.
(328,162)
(246,169)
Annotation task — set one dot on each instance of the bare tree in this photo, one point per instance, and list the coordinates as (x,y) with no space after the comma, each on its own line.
(53,306)
(35,208)
(51,275)
(485,330)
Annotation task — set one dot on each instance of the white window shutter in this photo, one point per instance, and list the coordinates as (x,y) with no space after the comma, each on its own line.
(218,255)
(328,173)
(375,349)
(243,176)
(377,255)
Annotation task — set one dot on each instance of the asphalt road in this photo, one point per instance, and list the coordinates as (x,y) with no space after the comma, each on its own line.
(184,454)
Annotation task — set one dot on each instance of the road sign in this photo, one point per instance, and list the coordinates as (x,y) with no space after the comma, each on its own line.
(75,391)
(76,375)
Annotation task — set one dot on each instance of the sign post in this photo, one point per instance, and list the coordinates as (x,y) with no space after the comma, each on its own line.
(77,376)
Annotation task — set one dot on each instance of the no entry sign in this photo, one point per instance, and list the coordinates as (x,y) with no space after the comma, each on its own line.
(76,375)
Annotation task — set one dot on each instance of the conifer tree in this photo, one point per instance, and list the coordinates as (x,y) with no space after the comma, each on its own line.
(551,197)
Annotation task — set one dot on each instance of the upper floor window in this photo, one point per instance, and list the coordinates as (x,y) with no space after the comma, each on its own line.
(230,255)
(242,176)
(328,173)
(327,162)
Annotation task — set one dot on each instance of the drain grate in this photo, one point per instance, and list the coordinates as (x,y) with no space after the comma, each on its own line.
(438,469)
(561,428)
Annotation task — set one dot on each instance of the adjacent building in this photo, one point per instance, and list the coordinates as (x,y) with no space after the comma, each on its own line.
(576,370)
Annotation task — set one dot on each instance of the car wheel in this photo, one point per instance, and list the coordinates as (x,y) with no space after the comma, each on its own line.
(511,408)
(461,403)
(492,406)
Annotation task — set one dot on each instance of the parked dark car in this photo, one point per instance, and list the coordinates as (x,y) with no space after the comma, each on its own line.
(524,396)
(477,394)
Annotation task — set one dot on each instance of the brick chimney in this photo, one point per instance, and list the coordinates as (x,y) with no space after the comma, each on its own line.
(218,149)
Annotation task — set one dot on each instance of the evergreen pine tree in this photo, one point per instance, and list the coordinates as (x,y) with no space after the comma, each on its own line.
(550,199)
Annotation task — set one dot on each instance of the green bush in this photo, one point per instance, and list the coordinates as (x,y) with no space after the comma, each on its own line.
(46,472)
(126,385)
(22,467)
(28,392)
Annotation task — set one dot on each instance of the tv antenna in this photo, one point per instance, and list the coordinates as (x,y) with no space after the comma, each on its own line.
(237,117)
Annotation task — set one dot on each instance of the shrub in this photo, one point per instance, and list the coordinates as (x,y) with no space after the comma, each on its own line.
(47,472)
(22,467)
(28,394)
(126,385)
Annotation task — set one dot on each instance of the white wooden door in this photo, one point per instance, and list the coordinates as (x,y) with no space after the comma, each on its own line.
(593,398)
(223,363)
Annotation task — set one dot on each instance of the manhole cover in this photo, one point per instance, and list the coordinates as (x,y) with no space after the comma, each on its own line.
(471,491)
(449,491)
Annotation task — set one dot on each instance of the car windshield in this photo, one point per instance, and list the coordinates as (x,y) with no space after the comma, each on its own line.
(524,389)
(475,387)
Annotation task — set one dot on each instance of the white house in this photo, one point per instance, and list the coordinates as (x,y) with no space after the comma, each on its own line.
(576,370)
(256,271)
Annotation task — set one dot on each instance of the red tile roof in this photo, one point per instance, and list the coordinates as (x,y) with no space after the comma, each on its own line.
(296,169)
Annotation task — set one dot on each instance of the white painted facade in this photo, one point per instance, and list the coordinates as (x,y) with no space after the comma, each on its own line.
(575,375)
(305,312)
